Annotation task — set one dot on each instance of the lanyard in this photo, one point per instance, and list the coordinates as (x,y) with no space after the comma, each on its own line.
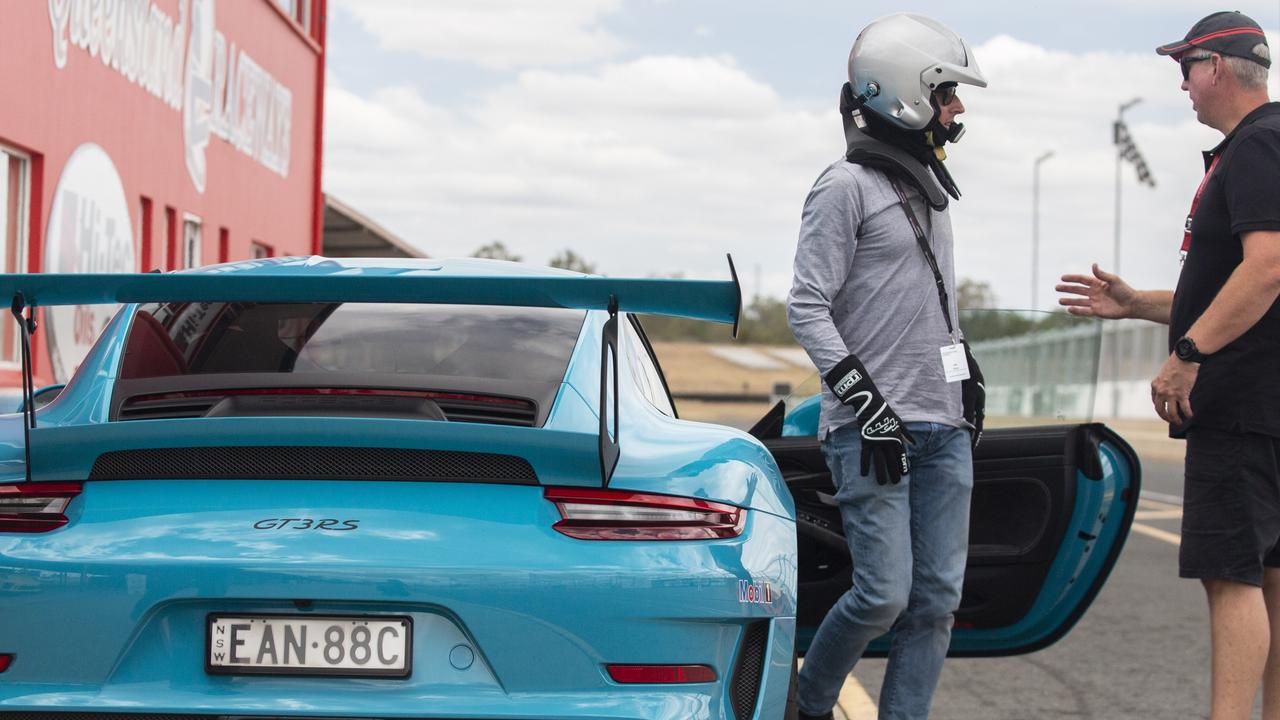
(1195,202)
(928,255)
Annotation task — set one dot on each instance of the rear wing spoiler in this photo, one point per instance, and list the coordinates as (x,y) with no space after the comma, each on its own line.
(712,300)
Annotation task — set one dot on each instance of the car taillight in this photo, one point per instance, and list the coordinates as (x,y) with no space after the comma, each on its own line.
(661,674)
(5,662)
(591,514)
(34,507)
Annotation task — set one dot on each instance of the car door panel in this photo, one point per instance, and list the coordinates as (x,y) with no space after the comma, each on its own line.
(1051,509)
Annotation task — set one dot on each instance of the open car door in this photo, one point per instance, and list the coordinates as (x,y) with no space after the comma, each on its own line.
(1054,493)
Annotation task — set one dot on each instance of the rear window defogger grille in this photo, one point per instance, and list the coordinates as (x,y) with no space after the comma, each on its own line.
(310,463)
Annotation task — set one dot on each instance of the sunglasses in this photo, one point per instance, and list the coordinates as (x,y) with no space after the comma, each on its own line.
(945,94)
(1186,62)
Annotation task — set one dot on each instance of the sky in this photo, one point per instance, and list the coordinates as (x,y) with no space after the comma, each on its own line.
(652,137)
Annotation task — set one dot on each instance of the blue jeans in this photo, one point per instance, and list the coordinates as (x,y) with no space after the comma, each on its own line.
(909,543)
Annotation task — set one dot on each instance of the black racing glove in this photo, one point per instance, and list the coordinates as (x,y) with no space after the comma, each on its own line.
(974,394)
(884,437)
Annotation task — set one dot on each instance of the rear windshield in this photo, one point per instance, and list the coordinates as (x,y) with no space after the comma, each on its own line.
(351,339)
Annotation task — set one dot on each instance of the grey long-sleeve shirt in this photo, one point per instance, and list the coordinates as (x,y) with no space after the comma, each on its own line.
(863,286)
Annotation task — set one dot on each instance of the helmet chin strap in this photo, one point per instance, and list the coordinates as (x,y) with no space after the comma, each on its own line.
(937,134)
(912,151)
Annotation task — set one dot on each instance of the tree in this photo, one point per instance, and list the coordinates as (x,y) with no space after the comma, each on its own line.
(496,251)
(764,321)
(973,295)
(570,260)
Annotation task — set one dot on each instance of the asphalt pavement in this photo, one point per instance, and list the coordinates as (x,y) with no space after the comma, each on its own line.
(1140,652)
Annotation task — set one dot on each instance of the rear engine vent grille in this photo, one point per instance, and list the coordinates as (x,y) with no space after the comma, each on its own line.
(749,670)
(166,408)
(455,406)
(523,414)
(311,463)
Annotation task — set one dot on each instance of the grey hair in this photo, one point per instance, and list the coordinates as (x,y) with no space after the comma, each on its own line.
(1251,75)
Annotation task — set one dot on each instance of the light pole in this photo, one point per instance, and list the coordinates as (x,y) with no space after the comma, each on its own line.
(1125,150)
(1035,224)
(1120,158)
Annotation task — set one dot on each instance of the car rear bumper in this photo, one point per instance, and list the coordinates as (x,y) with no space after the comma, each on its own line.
(756,689)
(111,612)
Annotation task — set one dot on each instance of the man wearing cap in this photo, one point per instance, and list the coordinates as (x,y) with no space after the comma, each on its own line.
(1220,387)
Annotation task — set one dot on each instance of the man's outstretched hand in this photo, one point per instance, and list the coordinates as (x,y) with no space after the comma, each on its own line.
(1099,295)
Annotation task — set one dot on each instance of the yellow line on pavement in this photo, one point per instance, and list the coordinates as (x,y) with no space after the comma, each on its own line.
(1165,535)
(1157,505)
(855,702)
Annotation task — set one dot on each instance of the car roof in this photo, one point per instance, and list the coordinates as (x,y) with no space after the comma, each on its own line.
(318,265)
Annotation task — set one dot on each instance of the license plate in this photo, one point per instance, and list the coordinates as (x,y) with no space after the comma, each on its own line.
(310,645)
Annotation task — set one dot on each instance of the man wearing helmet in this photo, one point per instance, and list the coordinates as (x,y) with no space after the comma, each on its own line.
(872,304)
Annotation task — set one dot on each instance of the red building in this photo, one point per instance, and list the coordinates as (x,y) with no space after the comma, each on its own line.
(153,134)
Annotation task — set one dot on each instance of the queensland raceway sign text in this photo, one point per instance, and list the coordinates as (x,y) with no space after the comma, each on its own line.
(218,89)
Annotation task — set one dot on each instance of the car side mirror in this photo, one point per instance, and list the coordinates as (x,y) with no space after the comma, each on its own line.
(43,396)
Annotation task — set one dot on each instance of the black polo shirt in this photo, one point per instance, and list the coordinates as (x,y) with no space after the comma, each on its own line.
(1238,387)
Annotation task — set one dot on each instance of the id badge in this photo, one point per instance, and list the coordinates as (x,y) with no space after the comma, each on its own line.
(955,366)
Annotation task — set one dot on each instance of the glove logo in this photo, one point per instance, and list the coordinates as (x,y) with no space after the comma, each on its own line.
(847,382)
(884,426)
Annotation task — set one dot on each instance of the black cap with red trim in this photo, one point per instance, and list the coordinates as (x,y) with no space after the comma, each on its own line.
(1226,33)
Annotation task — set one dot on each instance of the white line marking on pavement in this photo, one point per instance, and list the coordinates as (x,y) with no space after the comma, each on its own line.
(1169,537)
(1161,497)
(1157,515)
(1157,505)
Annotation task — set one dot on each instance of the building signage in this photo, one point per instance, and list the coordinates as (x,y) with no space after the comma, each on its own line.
(219,89)
(89,232)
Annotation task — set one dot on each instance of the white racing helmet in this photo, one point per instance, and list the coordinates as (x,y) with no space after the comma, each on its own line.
(899,60)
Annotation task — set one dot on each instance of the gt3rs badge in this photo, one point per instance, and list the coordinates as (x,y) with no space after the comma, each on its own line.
(330,524)
(755,593)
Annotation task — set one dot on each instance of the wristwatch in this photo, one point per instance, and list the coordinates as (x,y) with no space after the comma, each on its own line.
(1186,350)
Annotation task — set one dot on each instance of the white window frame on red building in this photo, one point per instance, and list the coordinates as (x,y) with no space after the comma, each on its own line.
(192,251)
(14,248)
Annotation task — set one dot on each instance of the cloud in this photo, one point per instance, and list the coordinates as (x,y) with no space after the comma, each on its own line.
(657,165)
(498,34)
(662,164)
(1040,100)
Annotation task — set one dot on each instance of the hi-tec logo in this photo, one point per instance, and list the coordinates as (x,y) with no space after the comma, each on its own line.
(755,593)
(847,382)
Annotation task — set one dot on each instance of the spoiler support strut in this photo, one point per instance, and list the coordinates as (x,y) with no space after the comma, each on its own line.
(26,326)
(609,451)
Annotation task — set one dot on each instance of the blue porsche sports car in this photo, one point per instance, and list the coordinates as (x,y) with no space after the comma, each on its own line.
(456,489)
